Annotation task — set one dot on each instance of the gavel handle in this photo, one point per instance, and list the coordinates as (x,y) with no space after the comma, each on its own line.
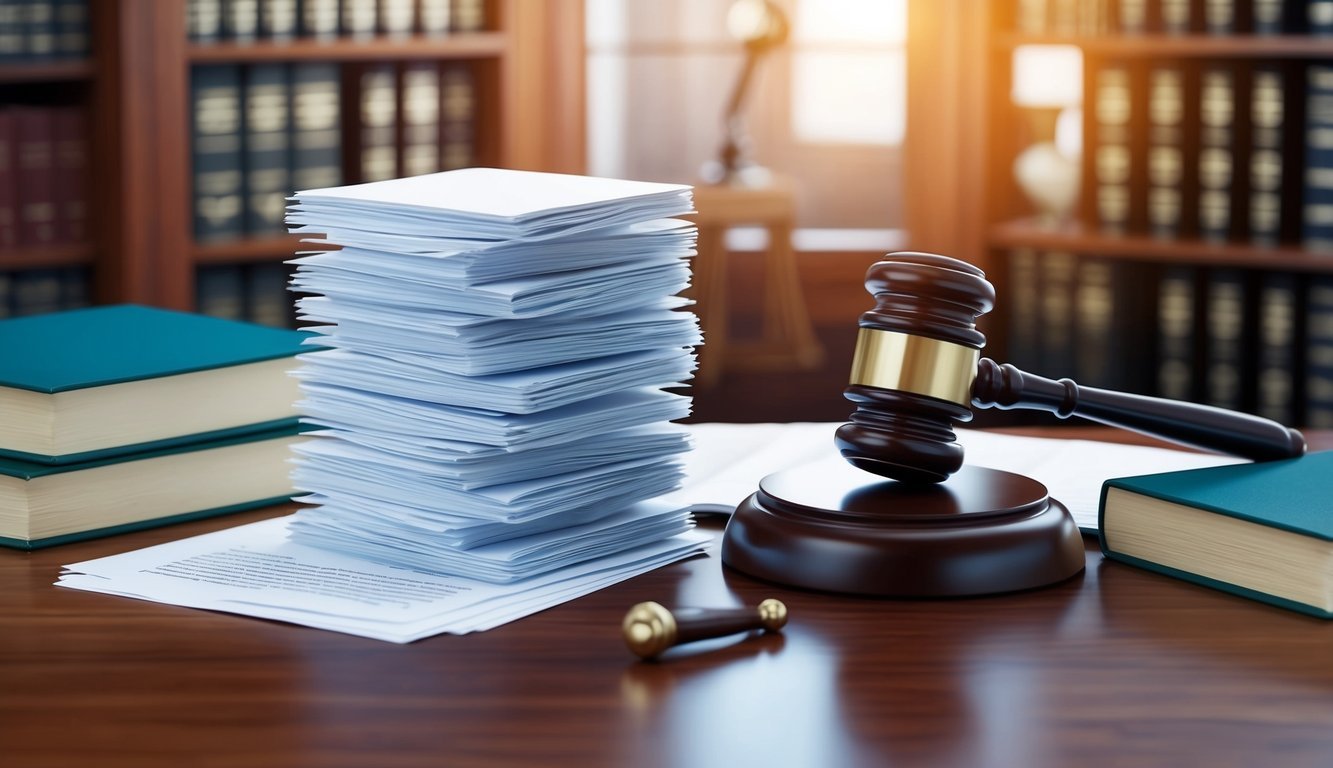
(1200,426)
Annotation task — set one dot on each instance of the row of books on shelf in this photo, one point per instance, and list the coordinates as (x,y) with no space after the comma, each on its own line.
(1222,151)
(1073,18)
(1246,340)
(209,21)
(43,173)
(33,31)
(255,293)
(42,290)
(263,130)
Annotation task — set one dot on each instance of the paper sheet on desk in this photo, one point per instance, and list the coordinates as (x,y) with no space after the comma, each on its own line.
(729,460)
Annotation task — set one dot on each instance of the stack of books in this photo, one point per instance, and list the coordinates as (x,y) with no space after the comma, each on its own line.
(123,417)
(494,404)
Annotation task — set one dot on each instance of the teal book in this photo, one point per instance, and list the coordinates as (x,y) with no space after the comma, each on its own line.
(1262,531)
(42,505)
(107,381)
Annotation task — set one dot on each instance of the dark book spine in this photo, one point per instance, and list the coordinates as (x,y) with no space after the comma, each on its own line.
(11,33)
(458,100)
(1166,151)
(71,29)
(1225,386)
(421,118)
(1058,276)
(1269,17)
(1176,320)
(1317,206)
(6,295)
(1267,92)
(316,121)
(39,29)
(279,19)
(240,20)
(267,148)
(1277,374)
(433,17)
(468,15)
(1024,302)
(1094,324)
(34,167)
(267,300)
(203,20)
(74,293)
(1319,354)
(319,19)
(36,292)
(398,17)
(358,18)
(220,292)
(1217,115)
(1319,18)
(1112,162)
(9,212)
(378,99)
(69,128)
(218,153)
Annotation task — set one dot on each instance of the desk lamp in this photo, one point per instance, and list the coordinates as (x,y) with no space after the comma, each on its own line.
(760,26)
(904,516)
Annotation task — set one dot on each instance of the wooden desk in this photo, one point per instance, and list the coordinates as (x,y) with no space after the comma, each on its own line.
(1116,667)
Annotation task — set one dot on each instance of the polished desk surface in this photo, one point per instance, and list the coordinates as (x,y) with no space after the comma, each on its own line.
(1114,667)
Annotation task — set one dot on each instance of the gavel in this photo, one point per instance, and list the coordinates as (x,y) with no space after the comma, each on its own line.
(917,369)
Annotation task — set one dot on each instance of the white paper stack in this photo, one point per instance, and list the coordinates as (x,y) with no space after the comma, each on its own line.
(493,397)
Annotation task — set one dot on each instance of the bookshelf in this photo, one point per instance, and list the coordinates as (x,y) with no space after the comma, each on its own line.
(1197,289)
(136,84)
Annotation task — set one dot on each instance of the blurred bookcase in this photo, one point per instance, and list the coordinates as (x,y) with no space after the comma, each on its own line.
(1196,263)
(461,82)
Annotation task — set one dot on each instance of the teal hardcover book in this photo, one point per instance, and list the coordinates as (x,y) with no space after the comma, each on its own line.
(1263,530)
(43,504)
(116,380)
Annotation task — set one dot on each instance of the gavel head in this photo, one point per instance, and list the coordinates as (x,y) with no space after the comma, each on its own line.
(916,358)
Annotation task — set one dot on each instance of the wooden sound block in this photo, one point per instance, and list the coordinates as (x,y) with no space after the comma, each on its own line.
(830,526)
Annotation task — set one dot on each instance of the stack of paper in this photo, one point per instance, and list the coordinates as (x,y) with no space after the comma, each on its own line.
(493,402)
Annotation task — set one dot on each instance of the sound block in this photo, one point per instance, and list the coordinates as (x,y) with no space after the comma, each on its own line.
(832,527)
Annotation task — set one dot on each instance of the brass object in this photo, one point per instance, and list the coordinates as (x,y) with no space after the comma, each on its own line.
(649,629)
(916,364)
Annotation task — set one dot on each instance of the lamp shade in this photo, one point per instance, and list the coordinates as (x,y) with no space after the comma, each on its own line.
(1047,76)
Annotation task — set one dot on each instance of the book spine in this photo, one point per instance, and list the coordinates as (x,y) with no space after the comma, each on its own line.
(319,19)
(1132,17)
(316,138)
(468,15)
(1319,354)
(1219,17)
(1317,206)
(1166,153)
(69,128)
(34,175)
(220,292)
(458,117)
(1217,115)
(434,17)
(1058,275)
(6,295)
(1277,348)
(421,118)
(9,213)
(203,20)
(11,33)
(1319,17)
(74,288)
(358,18)
(240,20)
(72,29)
(279,19)
(378,95)
(1226,340)
(267,300)
(1094,323)
(267,148)
(1266,128)
(1176,313)
(1269,17)
(1173,17)
(219,211)
(397,17)
(1024,327)
(36,292)
(1112,157)
(39,29)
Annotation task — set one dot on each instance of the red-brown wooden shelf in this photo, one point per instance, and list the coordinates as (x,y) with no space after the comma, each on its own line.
(1074,238)
(457,46)
(248,250)
(47,256)
(46,71)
